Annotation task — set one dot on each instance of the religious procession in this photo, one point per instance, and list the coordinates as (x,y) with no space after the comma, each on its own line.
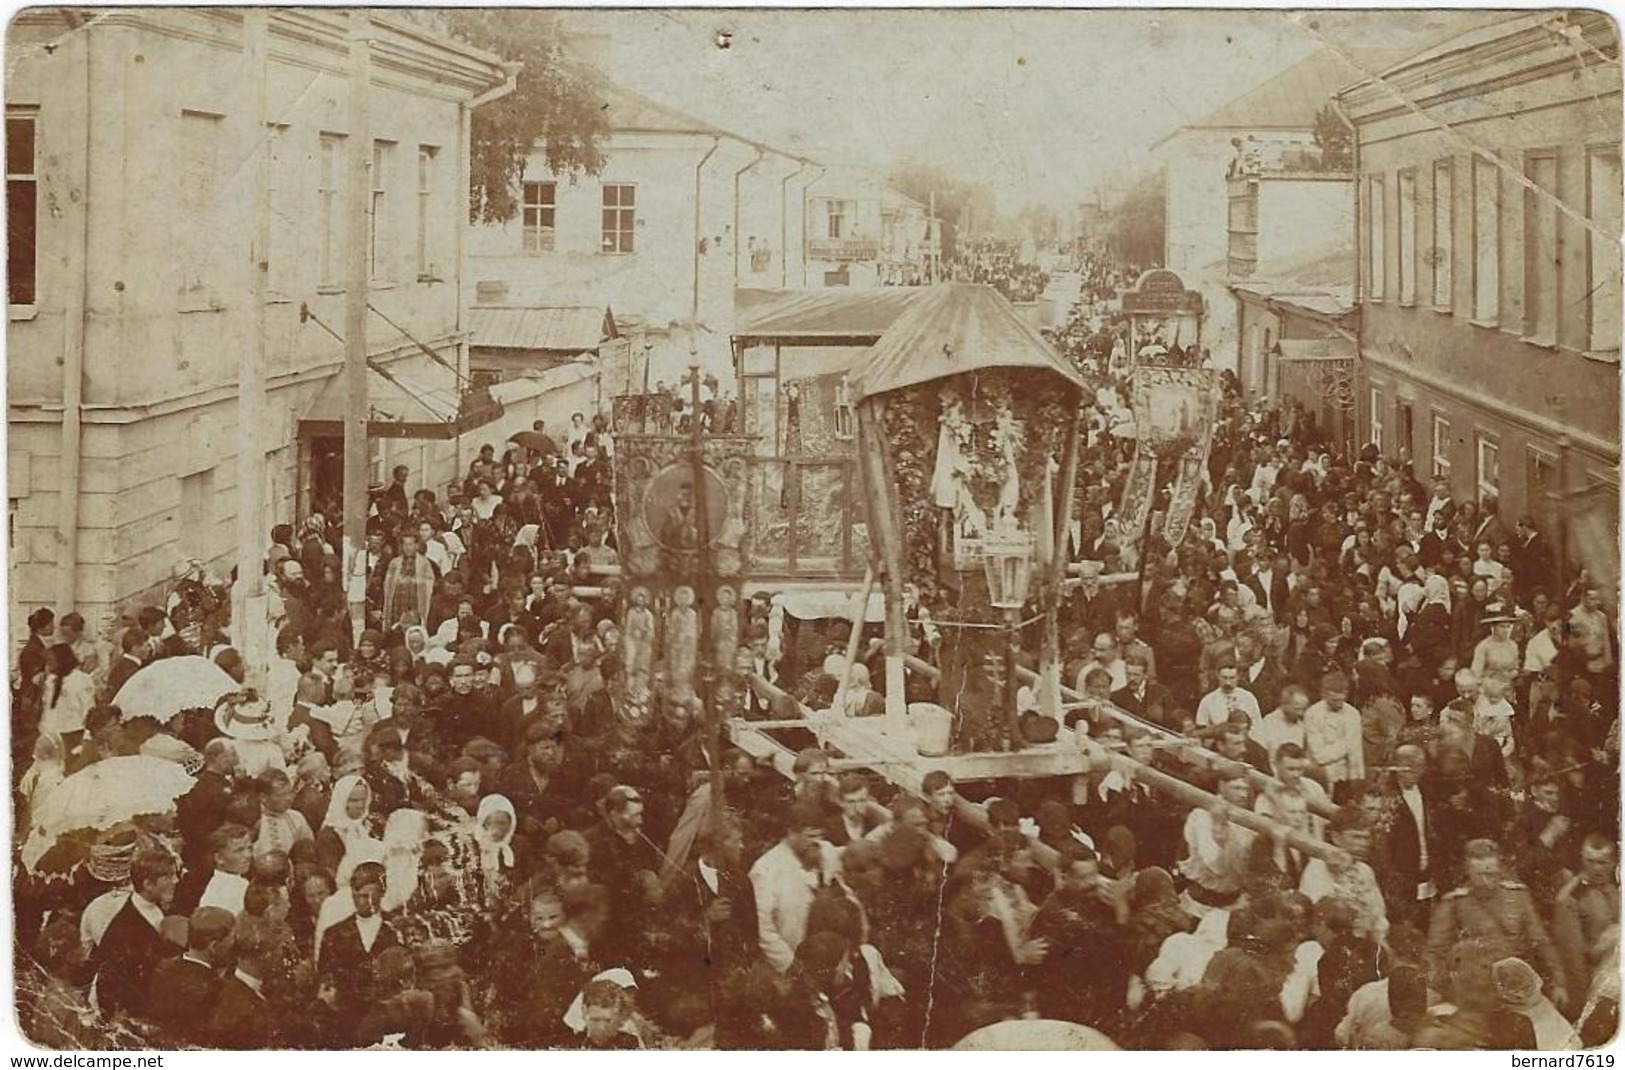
(987,664)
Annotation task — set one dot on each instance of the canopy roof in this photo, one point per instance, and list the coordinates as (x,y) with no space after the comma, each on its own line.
(832,313)
(957,327)
(569,329)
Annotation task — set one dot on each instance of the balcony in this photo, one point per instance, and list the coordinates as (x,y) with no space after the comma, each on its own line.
(842,250)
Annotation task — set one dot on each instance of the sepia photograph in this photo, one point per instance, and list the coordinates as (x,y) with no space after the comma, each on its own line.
(771,529)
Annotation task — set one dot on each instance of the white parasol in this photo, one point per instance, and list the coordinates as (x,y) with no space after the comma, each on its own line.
(170,685)
(1036,1034)
(111,791)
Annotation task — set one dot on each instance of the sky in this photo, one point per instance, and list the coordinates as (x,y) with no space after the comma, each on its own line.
(1041,104)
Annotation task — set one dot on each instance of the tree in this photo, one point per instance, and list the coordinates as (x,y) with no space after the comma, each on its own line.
(1335,139)
(955,198)
(1139,222)
(554,106)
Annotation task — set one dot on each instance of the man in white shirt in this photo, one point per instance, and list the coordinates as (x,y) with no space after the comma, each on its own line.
(233,849)
(1289,763)
(785,880)
(1546,644)
(1285,723)
(1334,733)
(1216,848)
(1105,657)
(1215,707)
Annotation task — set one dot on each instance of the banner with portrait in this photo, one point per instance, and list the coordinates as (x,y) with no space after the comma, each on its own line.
(1175,410)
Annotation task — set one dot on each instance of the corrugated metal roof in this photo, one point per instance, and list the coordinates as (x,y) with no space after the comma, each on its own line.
(833,313)
(957,327)
(573,329)
(1290,99)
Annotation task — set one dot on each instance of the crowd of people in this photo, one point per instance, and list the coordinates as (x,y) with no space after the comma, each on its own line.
(482,817)
(997,264)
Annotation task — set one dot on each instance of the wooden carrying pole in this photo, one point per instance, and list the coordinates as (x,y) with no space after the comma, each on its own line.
(885,536)
(1185,747)
(1186,794)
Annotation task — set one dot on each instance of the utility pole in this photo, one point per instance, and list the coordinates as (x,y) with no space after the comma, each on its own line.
(356,456)
(248,593)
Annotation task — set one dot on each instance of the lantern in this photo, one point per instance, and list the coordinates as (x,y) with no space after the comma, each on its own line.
(1007,556)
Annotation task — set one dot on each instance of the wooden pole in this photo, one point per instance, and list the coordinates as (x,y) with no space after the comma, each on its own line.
(1186,748)
(357,459)
(248,623)
(705,582)
(885,538)
(860,614)
(1186,794)
(1049,692)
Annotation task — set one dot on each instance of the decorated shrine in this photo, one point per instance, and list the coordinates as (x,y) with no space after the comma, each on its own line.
(1162,315)
(968,437)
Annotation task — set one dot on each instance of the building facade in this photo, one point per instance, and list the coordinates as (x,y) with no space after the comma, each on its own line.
(1269,130)
(683,216)
(1489,262)
(141,206)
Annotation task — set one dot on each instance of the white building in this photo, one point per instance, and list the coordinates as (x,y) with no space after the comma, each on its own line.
(1273,123)
(682,216)
(134,235)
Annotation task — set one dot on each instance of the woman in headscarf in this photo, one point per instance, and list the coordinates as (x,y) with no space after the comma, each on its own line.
(343,834)
(494,826)
(1431,632)
(369,659)
(313,547)
(1519,988)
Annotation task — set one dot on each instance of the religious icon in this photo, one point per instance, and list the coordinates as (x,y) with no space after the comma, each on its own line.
(725,626)
(682,641)
(638,635)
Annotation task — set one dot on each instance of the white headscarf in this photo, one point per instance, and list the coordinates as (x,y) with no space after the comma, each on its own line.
(359,844)
(495,853)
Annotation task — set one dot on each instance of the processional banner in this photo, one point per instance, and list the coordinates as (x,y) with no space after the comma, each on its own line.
(1175,410)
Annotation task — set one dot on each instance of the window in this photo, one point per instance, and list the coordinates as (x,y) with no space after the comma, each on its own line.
(1405,428)
(1376,228)
(202,262)
(1441,254)
(328,209)
(1486,241)
(1540,266)
(843,412)
(1488,469)
(1542,478)
(1407,237)
(380,248)
(1441,446)
(836,215)
(620,211)
(1602,243)
(1376,418)
(22,207)
(539,215)
(427,156)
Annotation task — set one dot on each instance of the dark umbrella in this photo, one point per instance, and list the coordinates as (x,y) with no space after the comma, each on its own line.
(535,441)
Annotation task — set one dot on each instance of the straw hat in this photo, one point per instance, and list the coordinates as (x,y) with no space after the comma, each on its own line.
(244,718)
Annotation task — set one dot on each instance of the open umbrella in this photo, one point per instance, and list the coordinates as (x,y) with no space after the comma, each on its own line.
(535,441)
(111,791)
(170,685)
(1036,1034)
